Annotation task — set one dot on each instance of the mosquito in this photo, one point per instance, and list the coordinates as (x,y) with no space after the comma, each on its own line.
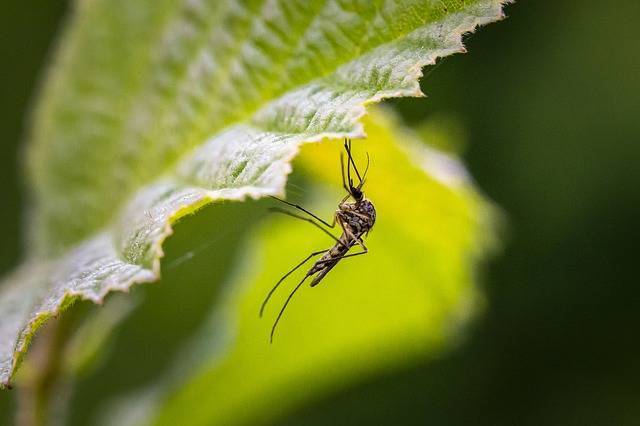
(355,218)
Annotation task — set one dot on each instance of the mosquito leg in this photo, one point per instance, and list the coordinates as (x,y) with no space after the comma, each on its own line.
(357,240)
(351,236)
(361,243)
(340,257)
(347,147)
(330,225)
(264,303)
(344,182)
(275,324)
(320,262)
(306,219)
(348,164)
(342,202)
(335,260)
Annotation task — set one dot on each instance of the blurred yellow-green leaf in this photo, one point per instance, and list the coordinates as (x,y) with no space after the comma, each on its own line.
(404,301)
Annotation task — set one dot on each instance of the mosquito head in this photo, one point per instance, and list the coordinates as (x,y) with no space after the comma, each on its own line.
(354,190)
(356,193)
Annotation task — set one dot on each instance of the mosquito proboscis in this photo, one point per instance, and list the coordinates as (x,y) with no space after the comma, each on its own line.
(355,218)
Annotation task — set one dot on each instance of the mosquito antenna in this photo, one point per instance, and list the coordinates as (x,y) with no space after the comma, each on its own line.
(364,176)
(275,324)
(306,259)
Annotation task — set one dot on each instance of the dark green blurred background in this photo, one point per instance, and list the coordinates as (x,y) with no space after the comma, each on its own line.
(550,100)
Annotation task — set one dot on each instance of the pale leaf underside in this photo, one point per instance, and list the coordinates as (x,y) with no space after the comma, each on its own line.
(149,115)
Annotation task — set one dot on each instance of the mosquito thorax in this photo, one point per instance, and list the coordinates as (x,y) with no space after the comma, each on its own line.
(360,215)
(366,207)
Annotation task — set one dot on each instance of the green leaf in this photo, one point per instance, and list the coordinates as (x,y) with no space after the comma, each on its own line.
(152,111)
(405,300)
